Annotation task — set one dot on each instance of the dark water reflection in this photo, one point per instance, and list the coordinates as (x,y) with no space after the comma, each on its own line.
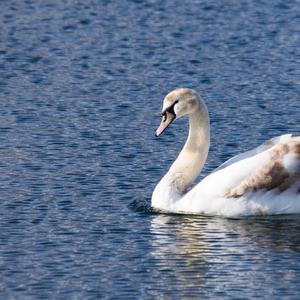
(81,85)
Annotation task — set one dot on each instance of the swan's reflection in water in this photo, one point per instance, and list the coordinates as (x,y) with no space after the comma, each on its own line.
(180,248)
(199,251)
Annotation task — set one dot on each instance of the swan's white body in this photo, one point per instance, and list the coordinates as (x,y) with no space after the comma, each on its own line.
(265,180)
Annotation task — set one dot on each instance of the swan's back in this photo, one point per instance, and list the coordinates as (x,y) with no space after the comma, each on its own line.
(261,181)
(280,171)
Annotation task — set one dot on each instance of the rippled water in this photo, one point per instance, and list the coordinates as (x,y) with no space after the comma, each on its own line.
(81,89)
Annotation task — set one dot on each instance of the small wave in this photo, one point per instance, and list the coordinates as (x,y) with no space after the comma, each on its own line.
(143,206)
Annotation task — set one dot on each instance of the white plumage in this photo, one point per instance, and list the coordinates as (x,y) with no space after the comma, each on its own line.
(265,180)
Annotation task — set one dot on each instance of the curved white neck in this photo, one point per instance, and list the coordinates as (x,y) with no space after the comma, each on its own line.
(189,162)
(192,157)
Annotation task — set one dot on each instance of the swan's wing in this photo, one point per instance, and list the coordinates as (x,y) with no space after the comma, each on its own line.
(273,165)
(266,145)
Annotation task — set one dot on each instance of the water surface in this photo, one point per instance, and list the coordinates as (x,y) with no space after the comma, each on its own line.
(81,86)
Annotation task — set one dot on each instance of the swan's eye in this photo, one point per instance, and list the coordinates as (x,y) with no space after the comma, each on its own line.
(170,110)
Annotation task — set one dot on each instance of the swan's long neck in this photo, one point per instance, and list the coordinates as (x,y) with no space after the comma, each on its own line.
(189,162)
(192,157)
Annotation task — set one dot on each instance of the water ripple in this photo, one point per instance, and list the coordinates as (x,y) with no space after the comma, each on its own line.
(81,89)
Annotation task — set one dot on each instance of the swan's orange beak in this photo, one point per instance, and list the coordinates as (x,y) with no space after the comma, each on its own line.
(167,119)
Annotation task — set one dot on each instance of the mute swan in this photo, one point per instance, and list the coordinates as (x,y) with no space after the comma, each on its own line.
(265,180)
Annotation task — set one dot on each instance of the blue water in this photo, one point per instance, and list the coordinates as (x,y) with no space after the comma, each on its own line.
(81,85)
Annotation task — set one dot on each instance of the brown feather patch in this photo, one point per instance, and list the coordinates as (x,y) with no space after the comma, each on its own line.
(273,174)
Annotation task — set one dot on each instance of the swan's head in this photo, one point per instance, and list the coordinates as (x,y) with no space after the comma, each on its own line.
(178,103)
